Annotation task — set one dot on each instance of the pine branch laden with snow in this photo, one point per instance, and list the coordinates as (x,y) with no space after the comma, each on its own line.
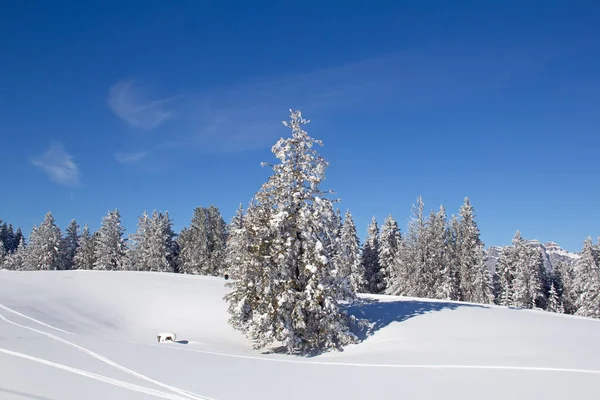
(110,247)
(374,282)
(288,286)
(44,243)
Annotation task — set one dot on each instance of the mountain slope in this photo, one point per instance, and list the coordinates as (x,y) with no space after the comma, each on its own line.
(551,252)
(91,334)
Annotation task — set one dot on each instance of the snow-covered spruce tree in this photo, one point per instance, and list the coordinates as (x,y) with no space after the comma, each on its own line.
(587,282)
(554,302)
(235,246)
(287,287)
(370,259)
(483,284)
(469,254)
(413,266)
(203,243)
(3,254)
(85,256)
(563,278)
(68,246)
(16,260)
(440,277)
(217,241)
(110,247)
(527,285)
(17,240)
(506,272)
(44,244)
(152,244)
(348,258)
(390,243)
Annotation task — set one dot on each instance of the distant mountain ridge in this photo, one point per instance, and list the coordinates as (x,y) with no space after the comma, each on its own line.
(551,251)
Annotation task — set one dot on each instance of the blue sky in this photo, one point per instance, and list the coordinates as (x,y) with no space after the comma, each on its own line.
(173,105)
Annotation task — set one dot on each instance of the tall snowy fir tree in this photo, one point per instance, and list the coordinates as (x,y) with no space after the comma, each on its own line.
(527,284)
(152,245)
(203,243)
(413,277)
(16,260)
(110,247)
(370,259)
(85,256)
(563,280)
(554,301)
(389,255)
(287,288)
(44,244)
(235,246)
(348,258)
(469,256)
(3,254)
(506,272)
(68,246)
(440,279)
(587,282)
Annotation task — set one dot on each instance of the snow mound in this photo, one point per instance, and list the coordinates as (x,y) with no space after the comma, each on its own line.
(91,334)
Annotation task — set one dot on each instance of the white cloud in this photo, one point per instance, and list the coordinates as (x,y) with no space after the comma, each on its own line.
(59,166)
(130,158)
(130,104)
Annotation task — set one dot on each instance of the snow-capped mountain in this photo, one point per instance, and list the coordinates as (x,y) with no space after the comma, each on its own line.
(551,251)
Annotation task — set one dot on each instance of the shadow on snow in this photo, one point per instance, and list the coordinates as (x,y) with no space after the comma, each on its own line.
(375,315)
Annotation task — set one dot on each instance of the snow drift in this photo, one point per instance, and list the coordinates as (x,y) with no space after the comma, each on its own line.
(92,334)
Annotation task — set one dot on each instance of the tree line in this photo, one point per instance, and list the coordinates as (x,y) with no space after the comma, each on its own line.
(295,261)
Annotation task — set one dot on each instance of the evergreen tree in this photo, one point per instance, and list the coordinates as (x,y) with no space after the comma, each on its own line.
(3,254)
(287,288)
(110,247)
(44,243)
(438,277)
(506,272)
(389,255)
(449,286)
(528,291)
(554,302)
(17,239)
(370,259)
(348,258)
(587,282)
(85,255)
(217,241)
(469,255)
(483,286)
(16,260)
(69,244)
(235,248)
(414,279)
(203,243)
(152,244)
(5,237)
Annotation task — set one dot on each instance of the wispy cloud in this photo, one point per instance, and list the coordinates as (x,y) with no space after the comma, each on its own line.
(59,166)
(131,104)
(248,115)
(130,158)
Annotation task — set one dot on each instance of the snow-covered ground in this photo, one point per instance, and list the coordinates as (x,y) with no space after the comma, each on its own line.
(92,335)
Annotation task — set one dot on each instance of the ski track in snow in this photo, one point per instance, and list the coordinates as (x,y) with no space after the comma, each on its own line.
(190,395)
(97,377)
(186,394)
(406,366)
(34,320)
